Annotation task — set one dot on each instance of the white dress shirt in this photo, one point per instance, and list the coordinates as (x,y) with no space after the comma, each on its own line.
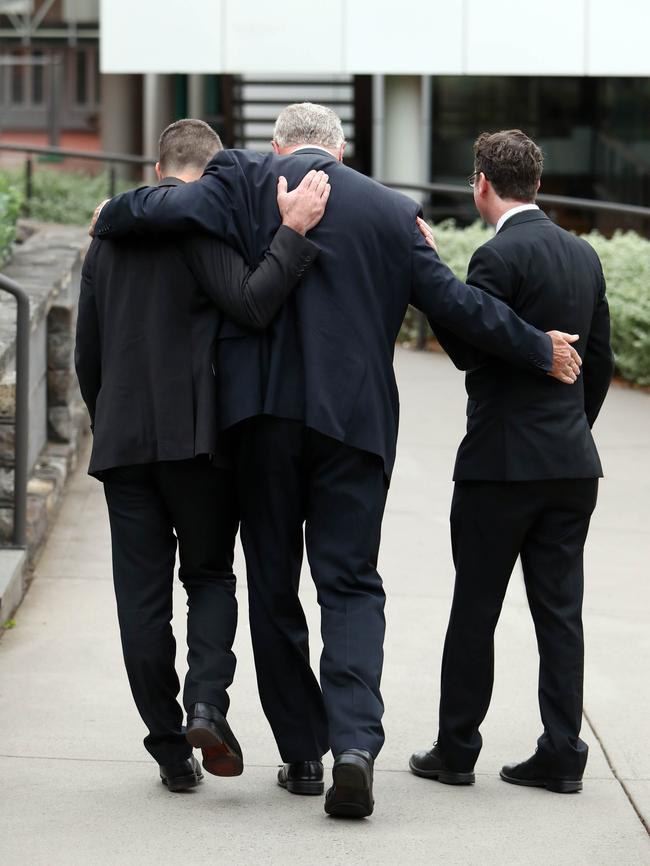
(520,208)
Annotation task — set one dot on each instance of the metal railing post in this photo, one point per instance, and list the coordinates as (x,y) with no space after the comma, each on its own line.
(29,181)
(21,412)
(112,180)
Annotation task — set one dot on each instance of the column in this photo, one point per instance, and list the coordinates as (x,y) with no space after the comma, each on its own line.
(196,96)
(121,117)
(157,112)
(406,130)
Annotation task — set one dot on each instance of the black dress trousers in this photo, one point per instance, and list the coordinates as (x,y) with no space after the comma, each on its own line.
(289,475)
(492,523)
(147,504)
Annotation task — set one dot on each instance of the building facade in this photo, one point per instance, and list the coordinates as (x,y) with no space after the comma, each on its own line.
(414,83)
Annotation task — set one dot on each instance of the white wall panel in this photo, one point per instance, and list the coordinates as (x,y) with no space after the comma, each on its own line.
(618,37)
(479,37)
(291,36)
(508,37)
(150,36)
(409,37)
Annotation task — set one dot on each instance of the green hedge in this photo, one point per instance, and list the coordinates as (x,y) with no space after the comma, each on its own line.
(10,204)
(626,264)
(58,196)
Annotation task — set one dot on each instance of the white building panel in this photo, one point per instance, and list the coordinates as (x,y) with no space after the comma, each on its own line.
(293,36)
(506,37)
(618,38)
(147,36)
(408,38)
(429,37)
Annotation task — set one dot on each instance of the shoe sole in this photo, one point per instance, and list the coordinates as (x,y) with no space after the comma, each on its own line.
(218,758)
(350,795)
(557,786)
(183,783)
(296,786)
(444,776)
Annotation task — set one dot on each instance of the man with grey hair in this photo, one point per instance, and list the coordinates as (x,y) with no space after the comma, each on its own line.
(305,124)
(314,409)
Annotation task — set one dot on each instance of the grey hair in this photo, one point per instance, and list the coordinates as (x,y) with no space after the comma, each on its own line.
(308,123)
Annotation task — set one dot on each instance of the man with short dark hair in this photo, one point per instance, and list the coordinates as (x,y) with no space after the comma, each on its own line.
(526,476)
(145,358)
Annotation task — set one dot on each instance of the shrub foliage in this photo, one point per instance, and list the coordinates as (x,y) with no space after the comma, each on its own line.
(10,204)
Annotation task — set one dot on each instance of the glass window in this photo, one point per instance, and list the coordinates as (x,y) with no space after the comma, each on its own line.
(81,93)
(38,78)
(17,80)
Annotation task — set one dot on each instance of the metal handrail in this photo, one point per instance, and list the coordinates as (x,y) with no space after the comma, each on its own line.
(112,159)
(98,155)
(542,198)
(21,412)
(444,188)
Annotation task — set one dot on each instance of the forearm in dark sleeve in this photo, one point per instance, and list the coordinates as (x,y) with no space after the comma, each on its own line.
(151,209)
(87,356)
(216,204)
(251,297)
(487,271)
(472,314)
(598,362)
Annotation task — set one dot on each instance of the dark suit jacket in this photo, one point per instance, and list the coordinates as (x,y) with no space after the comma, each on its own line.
(327,360)
(522,427)
(147,330)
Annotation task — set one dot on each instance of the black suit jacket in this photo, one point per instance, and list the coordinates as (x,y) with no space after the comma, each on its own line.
(522,427)
(147,332)
(327,360)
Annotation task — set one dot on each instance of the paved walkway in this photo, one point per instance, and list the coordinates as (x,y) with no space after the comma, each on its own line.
(78,788)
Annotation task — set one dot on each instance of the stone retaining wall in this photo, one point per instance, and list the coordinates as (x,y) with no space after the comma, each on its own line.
(48,266)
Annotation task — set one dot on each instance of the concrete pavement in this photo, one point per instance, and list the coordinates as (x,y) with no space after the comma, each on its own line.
(77,786)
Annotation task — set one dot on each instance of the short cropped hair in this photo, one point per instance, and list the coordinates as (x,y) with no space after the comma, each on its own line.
(511,161)
(187,144)
(308,123)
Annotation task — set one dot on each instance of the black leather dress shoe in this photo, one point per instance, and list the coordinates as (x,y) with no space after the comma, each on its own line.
(208,730)
(302,777)
(531,774)
(179,777)
(431,765)
(351,794)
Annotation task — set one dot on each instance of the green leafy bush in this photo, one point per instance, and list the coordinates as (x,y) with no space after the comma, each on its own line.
(10,204)
(62,196)
(626,265)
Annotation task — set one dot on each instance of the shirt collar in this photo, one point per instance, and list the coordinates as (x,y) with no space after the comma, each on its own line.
(520,208)
(170,181)
(313,147)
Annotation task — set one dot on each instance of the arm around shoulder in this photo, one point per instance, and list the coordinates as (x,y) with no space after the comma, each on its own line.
(251,297)
(475,315)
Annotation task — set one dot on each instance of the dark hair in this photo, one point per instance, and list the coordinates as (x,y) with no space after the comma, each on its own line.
(511,161)
(188,143)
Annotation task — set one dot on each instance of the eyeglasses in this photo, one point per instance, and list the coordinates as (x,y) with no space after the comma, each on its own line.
(471,180)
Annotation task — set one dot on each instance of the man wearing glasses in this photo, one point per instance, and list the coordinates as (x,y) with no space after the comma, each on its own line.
(526,476)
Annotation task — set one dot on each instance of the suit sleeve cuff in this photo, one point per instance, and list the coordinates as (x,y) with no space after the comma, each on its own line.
(296,244)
